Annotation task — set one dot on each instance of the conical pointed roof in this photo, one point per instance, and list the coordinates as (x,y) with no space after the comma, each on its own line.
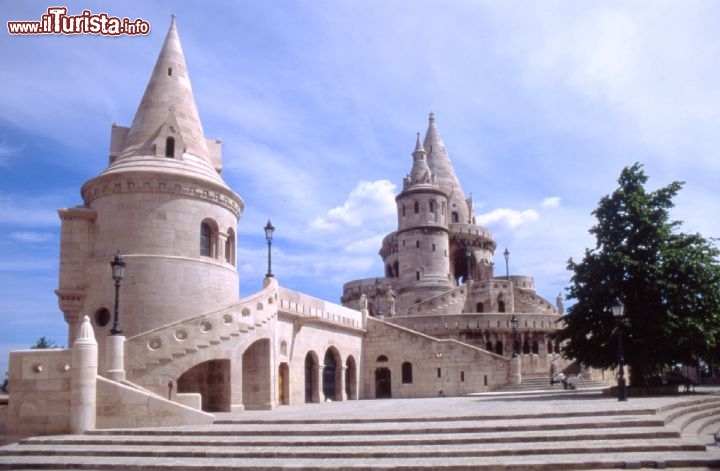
(440,165)
(420,172)
(168,90)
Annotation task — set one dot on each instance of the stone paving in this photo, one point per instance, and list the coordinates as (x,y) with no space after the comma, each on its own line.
(535,430)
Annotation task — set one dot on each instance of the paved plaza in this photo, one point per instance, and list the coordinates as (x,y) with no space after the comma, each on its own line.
(532,430)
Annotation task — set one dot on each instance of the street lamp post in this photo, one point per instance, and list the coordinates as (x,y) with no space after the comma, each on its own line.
(618,310)
(118,270)
(468,256)
(269,230)
(514,323)
(506,254)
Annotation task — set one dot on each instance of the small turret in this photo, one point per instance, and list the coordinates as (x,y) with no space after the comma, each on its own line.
(420,172)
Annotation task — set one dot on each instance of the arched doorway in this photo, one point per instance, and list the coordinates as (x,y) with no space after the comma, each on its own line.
(211,379)
(383,388)
(283,384)
(311,372)
(351,378)
(257,384)
(332,375)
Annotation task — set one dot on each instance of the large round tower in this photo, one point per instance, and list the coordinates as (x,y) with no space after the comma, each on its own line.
(422,235)
(162,203)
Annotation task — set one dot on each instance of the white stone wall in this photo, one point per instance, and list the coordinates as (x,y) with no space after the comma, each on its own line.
(439,367)
(39,386)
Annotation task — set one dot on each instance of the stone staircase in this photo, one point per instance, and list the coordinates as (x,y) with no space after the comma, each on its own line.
(367,435)
(447,303)
(541,382)
(180,342)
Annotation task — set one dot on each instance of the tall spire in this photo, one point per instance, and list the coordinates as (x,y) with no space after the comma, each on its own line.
(440,165)
(168,103)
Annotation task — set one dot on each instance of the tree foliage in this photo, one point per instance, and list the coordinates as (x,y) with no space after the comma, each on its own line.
(669,282)
(44,342)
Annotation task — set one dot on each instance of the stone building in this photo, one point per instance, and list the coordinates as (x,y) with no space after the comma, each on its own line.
(186,345)
(440,275)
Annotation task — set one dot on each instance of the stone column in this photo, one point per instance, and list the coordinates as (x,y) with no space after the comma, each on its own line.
(83,385)
(514,373)
(343,394)
(319,395)
(115,357)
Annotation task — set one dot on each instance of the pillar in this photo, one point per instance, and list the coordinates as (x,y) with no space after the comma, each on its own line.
(515,375)
(115,356)
(83,386)
(343,394)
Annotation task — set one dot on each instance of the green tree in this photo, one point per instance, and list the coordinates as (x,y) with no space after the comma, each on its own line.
(44,342)
(669,282)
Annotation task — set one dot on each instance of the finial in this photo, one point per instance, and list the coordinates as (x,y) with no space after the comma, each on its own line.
(85,333)
(432,117)
(418,145)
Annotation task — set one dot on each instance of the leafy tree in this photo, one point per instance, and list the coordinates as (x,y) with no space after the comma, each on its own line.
(44,342)
(669,282)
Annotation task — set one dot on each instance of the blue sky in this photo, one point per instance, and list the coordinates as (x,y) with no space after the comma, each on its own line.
(540,105)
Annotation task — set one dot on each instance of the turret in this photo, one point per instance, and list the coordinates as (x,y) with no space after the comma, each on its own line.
(422,235)
(163,204)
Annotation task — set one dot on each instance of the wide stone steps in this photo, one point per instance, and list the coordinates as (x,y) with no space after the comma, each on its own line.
(567,433)
(542,383)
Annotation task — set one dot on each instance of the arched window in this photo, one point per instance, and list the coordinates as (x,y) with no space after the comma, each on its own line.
(480,307)
(208,238)
(170,147)
(205,239)
(403,211)
(499,347)
(432,206)
(416,207)
(407,372)
(230,247)
(535,347)
(455,217)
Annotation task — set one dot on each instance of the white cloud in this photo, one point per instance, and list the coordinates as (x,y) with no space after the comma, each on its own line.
(32,237)
(551,202)
(7,151)
(510,217)
(367,203)
(38,211)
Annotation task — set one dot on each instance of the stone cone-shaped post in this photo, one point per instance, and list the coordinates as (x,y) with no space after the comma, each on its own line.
(83,387)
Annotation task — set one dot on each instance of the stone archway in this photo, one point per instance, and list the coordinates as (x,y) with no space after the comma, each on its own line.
(351,378)
(283,384)
(383,387)
(332,375)
(311,378)
(210,379)
(257,371)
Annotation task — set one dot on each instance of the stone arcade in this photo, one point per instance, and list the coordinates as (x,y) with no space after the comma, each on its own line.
(190,347)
